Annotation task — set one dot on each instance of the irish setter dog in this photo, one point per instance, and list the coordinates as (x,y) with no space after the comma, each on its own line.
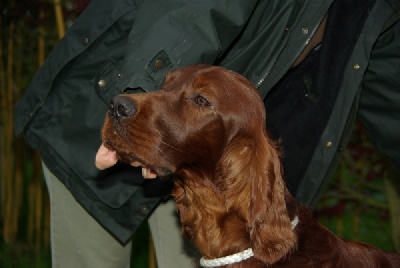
(206,127)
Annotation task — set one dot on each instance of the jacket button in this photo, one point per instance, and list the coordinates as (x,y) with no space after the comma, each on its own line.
(328,144)
(356,67)
(158,64)
(304,30)
(102,83)
(144,209)
(86,41)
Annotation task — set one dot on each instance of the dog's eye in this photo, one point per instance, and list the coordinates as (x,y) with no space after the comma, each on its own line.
(201,101)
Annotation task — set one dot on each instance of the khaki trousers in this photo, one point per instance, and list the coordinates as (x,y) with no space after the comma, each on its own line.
(79,241)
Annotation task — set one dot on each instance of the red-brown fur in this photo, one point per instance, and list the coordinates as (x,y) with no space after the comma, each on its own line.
(229,189)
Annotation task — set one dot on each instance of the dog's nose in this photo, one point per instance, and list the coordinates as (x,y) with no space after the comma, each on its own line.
(121,107)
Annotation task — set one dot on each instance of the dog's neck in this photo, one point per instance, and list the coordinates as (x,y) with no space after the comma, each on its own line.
(237,257)
(216,230)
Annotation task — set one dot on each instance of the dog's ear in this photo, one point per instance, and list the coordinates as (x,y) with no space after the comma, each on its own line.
(271,233)
(250,179)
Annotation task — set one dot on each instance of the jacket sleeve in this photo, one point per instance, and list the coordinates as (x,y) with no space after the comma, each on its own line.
(379,107)
(170,34)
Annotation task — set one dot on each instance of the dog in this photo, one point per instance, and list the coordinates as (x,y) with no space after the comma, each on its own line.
(206,127)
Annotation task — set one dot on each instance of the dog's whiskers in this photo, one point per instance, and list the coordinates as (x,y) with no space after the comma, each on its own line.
(170,146)
(164,155)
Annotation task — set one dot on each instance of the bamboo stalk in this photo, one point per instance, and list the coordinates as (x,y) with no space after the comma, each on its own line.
(392,187)
(16,176)
(339,222)
(41,44)
(2,69)
(30,232)
(152,254)
(59,18)
(356,224)
(2,136)
(339,226)
(38,202)
(46,233)
(9,220)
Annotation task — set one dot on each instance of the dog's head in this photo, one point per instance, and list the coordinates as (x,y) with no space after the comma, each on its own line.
(189,122)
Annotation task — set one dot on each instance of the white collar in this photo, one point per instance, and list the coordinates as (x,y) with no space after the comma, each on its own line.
(237,257)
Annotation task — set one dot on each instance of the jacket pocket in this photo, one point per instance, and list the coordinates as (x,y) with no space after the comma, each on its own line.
(73,133)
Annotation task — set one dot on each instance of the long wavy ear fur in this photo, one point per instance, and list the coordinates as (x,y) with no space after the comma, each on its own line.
(253,186)
(270,227)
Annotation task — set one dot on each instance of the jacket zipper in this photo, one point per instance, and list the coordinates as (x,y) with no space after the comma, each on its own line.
(268,71)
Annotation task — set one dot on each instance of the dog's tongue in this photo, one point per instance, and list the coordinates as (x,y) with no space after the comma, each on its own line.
(105,158)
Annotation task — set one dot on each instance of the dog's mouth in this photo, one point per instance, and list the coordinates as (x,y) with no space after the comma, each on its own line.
(138,161)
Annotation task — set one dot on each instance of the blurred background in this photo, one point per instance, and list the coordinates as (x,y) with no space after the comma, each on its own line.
(361,203)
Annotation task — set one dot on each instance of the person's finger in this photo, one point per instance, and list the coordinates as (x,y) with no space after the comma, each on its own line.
(148,173)
(136,164)
(105,158)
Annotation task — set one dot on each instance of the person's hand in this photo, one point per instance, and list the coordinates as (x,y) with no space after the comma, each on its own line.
(106,158)
(147,173)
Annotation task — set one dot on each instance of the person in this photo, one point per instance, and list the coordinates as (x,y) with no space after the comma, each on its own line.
(318,65)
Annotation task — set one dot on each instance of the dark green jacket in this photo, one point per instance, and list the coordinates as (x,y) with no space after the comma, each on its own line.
(124,45)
